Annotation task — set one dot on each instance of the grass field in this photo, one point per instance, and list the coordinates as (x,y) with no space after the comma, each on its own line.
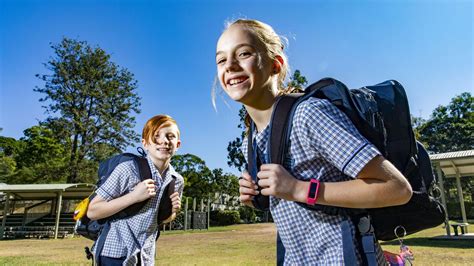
(232,245)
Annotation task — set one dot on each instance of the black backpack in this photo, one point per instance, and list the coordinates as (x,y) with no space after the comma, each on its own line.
(382,115)
(91,229)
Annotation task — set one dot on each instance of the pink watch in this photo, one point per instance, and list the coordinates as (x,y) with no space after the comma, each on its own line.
(312,191)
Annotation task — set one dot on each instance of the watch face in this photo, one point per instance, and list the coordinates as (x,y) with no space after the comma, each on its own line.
(312,190)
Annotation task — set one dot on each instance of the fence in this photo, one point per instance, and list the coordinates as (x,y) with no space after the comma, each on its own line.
(197,217)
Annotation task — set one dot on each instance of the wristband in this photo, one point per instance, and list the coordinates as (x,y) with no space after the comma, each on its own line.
(312,191)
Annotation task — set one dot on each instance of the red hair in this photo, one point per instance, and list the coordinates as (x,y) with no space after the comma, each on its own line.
(155,123)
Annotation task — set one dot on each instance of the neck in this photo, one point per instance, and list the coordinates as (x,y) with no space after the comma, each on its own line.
(261,110)
(161,166)
(261,118)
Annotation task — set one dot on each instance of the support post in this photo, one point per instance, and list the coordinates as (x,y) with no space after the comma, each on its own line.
(208,212)
(460,195)
(186,215)
(443,197)
(5,213)
(58,213)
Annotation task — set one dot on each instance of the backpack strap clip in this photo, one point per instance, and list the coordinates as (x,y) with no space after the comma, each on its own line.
(364,225)
(367,239)
(141,151)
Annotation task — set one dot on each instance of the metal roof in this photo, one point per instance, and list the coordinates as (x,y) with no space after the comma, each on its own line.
(48,191)
(451,163)
(452,155)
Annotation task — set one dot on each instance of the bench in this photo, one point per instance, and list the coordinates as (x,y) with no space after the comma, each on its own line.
(462,226)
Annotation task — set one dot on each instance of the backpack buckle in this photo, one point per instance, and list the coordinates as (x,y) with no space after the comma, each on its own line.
(365,226)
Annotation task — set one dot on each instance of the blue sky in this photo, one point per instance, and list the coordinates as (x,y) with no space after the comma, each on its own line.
(170,47)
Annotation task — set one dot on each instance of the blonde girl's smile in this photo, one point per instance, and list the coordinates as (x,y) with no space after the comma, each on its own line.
(237,80)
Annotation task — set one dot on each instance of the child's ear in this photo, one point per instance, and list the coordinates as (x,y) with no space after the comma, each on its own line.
(277,64)
(144,144)
(178,144)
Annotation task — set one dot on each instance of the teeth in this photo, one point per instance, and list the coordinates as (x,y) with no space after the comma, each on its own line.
(235,81)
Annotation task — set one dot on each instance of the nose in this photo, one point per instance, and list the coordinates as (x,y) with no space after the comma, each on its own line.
(161,140)
(231,64)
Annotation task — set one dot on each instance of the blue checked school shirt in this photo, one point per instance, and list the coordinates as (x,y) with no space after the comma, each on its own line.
(136,233)
(324,144)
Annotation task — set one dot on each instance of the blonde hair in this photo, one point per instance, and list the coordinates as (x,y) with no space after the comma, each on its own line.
(154,124)
(273,45)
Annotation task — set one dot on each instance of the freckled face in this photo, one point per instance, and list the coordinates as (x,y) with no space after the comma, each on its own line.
(243,69)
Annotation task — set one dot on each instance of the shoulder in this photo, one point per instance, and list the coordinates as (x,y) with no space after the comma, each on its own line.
(316,106)
(119,181)
(127,167)
(319,119)
(177,175)
(123,168)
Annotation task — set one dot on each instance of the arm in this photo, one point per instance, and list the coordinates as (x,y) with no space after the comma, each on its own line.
(100,208)
(378,184)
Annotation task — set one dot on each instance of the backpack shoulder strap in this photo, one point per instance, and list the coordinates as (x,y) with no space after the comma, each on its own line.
(165,207)
(101,239)
(282,117)
(144,170)
(280,122)
(259,201)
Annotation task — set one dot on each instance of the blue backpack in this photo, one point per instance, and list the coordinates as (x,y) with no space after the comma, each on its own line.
(92,229)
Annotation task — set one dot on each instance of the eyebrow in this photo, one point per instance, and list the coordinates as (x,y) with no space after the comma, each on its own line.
(237,47)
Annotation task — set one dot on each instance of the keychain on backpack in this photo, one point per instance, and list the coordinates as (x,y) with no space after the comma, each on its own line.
(405,253)
(405,257)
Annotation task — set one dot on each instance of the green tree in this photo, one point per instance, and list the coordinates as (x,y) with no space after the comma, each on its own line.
(202,182)
(451,127)
(224,184)
(42,158)
(416,123)
(9,149)
(94,98)
(297,81)
(235,157)
(197,176)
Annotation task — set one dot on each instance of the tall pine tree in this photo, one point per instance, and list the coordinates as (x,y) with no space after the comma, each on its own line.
(90,100)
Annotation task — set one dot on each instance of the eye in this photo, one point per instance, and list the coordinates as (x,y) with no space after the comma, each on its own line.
(220,61)
(244,54)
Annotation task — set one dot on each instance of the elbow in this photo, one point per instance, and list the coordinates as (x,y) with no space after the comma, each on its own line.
(91,214)
(405,193)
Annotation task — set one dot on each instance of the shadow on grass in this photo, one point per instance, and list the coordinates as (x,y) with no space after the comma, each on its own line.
(430,242)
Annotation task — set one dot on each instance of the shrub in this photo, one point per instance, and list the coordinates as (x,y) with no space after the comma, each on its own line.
(228,217)
(454,210)
(213,218)
(247,214)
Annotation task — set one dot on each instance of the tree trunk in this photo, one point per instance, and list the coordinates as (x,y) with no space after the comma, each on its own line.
(73,163)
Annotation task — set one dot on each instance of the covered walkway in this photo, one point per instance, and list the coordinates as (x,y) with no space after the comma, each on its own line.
(55,193)
(453,165)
